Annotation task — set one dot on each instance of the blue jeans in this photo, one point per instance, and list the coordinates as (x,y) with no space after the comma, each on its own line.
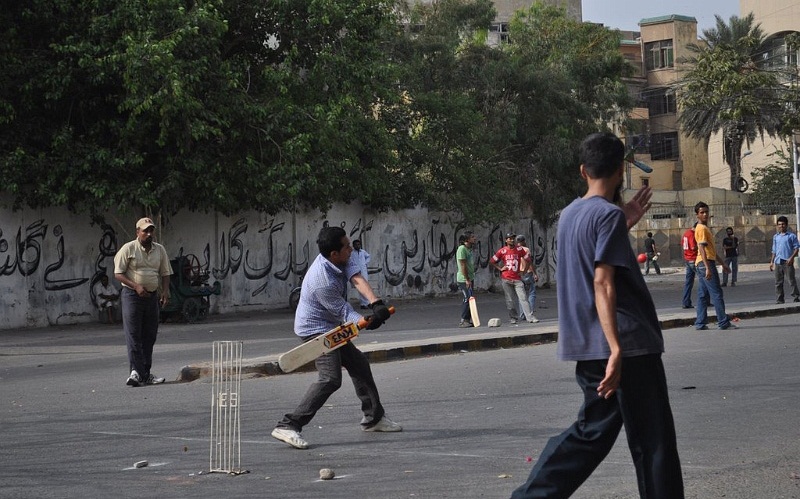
(329,379)
(642,405)
(733,263)
(688,284)
(467,293)
(140,318)
(710,292)
(530,288)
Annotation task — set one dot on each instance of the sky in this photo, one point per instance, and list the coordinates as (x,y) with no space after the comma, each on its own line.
(626,14)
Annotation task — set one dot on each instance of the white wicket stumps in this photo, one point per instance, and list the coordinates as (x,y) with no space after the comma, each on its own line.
(226,377)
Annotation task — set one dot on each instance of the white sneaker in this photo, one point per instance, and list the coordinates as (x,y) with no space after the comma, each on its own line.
(533,319)
(153,380)
(291,437)
(384,425)
(513,321)
(134,379)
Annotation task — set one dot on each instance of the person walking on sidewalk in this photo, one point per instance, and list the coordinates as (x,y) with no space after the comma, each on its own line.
(143,268)
(324,306)
(709,290)
(529,276)
(608,324)
(362,259)
(689,256)
(511,257)
(730,244)
(652,254)
(465,275)
(784,250)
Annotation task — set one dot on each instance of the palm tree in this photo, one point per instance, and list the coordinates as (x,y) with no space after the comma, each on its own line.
(724,91)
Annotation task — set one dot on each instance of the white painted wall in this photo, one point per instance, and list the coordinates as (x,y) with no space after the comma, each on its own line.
(50,258)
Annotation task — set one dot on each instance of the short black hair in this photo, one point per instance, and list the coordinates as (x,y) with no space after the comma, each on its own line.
(330,240)
(698,206)
(783,219)
(649,234)
(601,154)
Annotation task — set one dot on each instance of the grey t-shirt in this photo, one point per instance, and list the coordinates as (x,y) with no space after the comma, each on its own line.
(592,231)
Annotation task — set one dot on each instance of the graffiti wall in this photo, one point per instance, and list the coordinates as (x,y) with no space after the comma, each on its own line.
(50,260)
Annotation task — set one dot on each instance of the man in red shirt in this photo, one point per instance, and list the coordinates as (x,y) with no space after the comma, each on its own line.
(689,256)
(507,260)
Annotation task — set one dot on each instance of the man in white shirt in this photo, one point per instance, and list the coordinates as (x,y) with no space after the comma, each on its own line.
(361,257)
(106,297)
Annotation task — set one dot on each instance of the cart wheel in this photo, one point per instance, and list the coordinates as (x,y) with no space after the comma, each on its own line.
(192,309)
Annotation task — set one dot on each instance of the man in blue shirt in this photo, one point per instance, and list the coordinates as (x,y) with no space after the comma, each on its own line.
(784,251)
(608,324)
(323,306)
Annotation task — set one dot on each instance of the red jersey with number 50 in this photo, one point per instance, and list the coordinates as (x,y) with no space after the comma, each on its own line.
(511,258)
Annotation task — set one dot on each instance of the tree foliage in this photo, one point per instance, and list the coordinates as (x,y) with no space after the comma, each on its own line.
(772,184)
(725,92)
(237,105)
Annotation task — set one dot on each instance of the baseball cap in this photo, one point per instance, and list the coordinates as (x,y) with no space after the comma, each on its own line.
(510,234)
(144,223)
(520,237)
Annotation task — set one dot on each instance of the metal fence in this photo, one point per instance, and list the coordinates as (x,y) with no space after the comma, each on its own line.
(666,211)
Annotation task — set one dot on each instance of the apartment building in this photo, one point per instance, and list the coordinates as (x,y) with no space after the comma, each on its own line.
(678,161)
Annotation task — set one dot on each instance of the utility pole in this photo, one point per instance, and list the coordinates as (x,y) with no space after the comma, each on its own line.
(796,179)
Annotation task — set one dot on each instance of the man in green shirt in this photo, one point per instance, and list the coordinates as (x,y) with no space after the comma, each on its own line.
(465,276)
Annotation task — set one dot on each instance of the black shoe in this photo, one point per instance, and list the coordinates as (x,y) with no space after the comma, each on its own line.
(724,284)
(702,328)
(796,299)
(688,306)
(779,302)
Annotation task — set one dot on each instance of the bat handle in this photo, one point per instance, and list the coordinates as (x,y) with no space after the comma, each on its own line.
(364,322)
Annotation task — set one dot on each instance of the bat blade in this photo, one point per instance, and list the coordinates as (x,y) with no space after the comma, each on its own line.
(473,310)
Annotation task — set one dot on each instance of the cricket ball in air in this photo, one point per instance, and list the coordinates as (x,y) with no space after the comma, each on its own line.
(642,258)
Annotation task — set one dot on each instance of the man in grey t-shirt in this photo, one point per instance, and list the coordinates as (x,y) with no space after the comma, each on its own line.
(608,324)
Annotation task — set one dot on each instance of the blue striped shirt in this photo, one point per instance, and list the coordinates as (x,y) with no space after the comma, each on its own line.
(323,298)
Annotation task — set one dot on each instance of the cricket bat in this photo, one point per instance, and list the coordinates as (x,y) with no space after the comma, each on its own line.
(322,344)
(473,310)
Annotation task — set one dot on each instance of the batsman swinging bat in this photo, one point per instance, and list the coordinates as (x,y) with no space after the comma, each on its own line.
(322,344)
(473,310)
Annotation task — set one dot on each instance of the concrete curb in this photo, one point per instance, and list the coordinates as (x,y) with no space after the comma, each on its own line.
(473,342)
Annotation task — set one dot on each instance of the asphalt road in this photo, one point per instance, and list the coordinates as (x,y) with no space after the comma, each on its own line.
(70,428)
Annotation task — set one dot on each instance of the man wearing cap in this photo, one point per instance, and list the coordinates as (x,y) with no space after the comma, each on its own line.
(508,260)
(143,268)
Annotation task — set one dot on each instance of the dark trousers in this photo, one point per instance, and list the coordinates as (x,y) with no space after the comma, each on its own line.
(783,270)
(329,379)
(466,292)
(642,405)
(140,321)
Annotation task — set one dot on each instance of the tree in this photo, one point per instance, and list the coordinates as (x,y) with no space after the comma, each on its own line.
(772,188)
(205,105)
(566,82)
(724,90)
